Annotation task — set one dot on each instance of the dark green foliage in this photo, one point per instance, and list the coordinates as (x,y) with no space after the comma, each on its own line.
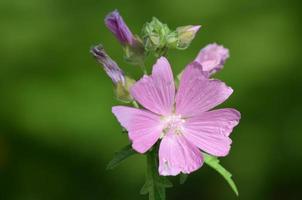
(120,156)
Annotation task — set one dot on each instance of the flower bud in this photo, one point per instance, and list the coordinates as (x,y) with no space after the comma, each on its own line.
(133,46)
(159,38)
(119,28)
(212,58)
(155,35)
(172,40)
(122,83)
(110,67)
(185,35)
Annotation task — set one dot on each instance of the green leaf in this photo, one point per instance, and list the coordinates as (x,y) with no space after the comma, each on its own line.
(120,156)
(145,188)
(214,163)
(164,181)
(183,178)
(155,184)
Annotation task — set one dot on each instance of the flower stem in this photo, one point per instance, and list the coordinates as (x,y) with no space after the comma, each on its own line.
(155,184)
(152,163)
(157,193)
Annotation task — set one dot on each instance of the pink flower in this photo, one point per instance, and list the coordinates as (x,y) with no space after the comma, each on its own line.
(212,58)
(183,121)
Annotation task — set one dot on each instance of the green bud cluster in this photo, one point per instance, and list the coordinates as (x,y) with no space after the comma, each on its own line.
(158,37)
(155,36)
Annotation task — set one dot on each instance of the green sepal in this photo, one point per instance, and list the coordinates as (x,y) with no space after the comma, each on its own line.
(122,90)
(214,163)
(135,54)
(120,156)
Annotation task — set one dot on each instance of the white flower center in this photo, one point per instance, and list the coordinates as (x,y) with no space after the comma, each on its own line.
(172,123)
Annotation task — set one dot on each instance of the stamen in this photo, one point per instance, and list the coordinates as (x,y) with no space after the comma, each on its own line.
(173,123)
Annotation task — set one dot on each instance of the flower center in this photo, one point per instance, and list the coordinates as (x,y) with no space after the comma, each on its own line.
(172,123)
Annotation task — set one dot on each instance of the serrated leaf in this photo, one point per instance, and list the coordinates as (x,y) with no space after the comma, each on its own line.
(183,178)
(214,163)
(120,156)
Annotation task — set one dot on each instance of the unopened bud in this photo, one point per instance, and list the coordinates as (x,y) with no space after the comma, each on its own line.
(155,35)
(119,28)
(185,35)
(109,65)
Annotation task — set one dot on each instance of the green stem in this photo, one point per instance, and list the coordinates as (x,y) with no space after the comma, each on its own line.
(157,184)
(152,163)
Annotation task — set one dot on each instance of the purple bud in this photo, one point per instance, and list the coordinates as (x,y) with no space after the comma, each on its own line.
(111,68)
(212,58)
(118,27)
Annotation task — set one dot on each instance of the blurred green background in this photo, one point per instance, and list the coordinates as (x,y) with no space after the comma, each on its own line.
(57,131)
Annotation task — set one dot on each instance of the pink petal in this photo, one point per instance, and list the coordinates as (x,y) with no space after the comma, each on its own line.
(209,131)
(219,121)
(144,128)
(163,70)
(177,155)
(156,92)
(197,93)
(209,65)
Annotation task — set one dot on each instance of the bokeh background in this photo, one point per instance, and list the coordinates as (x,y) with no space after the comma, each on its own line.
(57,132)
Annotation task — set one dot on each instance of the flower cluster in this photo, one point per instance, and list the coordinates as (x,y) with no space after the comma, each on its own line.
(179,123)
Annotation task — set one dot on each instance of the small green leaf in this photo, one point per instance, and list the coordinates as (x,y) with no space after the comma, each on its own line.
(183,178)
(214,163)
(120,156)
(145,188)
(163,181)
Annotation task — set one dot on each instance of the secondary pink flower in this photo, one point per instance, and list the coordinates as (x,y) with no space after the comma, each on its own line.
(183,121)
(212,58)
